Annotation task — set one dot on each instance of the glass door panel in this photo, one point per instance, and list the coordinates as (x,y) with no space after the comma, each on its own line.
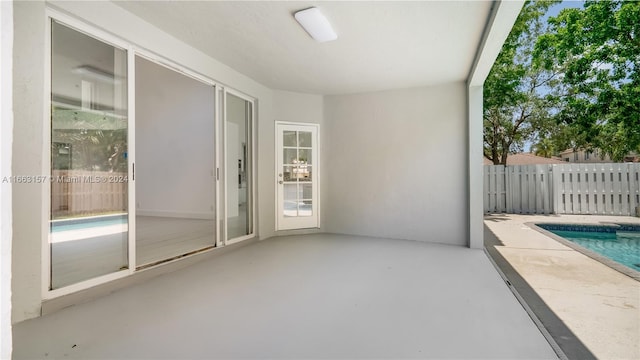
(175,164)
(297,183)
(89,168)
(238,184)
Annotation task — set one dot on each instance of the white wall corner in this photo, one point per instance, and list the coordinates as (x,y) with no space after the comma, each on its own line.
(500,21)
(6,136)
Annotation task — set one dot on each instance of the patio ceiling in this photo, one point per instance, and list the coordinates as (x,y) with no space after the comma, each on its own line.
(380,45)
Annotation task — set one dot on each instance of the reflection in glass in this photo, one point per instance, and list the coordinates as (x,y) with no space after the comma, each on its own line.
(89,167)
(287,173)
(290,138)
(307,191)
(304,155)
(238,160)
(305,208)
(290,192)
(304,139)
(290,208)
(290,155)
(175,188)
(303,173)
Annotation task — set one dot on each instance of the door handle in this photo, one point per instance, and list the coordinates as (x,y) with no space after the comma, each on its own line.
(280,182)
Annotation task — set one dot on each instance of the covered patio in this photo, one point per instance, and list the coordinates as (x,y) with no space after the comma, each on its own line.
(309,296)
(391,265)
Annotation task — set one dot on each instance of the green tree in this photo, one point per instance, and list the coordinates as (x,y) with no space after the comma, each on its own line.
(597,48)
(516,101)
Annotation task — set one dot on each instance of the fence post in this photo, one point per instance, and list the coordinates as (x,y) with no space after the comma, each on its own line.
(634,187)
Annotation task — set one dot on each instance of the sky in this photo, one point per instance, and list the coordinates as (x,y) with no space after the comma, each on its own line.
(555,9)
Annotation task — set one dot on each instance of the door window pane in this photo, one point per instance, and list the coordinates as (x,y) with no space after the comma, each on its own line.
(304,139)
(307,191)
(287,173)
(89,166)
(304,156)
(290,138)
(290,155)
(305,208)
(303,172)
(290,208)
(290,192)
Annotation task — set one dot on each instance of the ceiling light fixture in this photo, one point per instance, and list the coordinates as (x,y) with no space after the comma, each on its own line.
(93,72)
(316,24)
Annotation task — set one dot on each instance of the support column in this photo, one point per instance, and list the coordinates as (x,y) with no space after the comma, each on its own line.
(475,188)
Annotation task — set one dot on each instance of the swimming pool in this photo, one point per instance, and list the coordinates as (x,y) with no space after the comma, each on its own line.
(618,242)
(88,222)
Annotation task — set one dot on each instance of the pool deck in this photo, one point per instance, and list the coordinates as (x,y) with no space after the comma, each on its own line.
(590,309)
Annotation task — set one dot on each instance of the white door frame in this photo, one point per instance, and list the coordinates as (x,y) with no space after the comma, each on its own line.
(251,208)
(109,39)
(297,222)
(170,65)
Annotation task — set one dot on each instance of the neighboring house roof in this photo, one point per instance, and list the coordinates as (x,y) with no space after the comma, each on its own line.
(632,156)
(527,159)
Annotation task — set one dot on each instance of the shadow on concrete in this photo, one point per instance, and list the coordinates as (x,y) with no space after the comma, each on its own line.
(496,217)
(572,347)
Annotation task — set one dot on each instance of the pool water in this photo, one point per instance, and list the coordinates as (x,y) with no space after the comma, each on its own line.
(86,223)
(620,246)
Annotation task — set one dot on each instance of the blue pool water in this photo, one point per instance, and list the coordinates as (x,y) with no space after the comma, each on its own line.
(620,244)
(86,223)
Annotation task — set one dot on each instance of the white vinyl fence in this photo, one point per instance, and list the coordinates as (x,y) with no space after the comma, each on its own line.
(82,193)
(603,188)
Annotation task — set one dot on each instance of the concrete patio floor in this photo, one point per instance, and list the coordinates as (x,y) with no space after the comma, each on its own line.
(310,296)
(590,309)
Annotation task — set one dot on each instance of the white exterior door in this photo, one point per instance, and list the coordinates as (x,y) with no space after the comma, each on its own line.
(297,170)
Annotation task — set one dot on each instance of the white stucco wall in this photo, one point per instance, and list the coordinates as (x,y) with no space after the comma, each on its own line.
(6,129)
(30,122)
(292,107)
(396,164)
(28,140)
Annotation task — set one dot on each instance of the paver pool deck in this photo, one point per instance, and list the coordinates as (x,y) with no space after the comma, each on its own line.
(597,304)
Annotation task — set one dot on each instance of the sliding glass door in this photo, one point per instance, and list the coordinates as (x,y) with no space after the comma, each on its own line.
(175,164)
(88,234)
(148,162)
(239,167)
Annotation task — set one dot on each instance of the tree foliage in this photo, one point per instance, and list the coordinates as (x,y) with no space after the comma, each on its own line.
(572,81)
(515,104)
(597,51)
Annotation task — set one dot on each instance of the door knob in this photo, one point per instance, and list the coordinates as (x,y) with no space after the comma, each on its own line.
(280,182)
